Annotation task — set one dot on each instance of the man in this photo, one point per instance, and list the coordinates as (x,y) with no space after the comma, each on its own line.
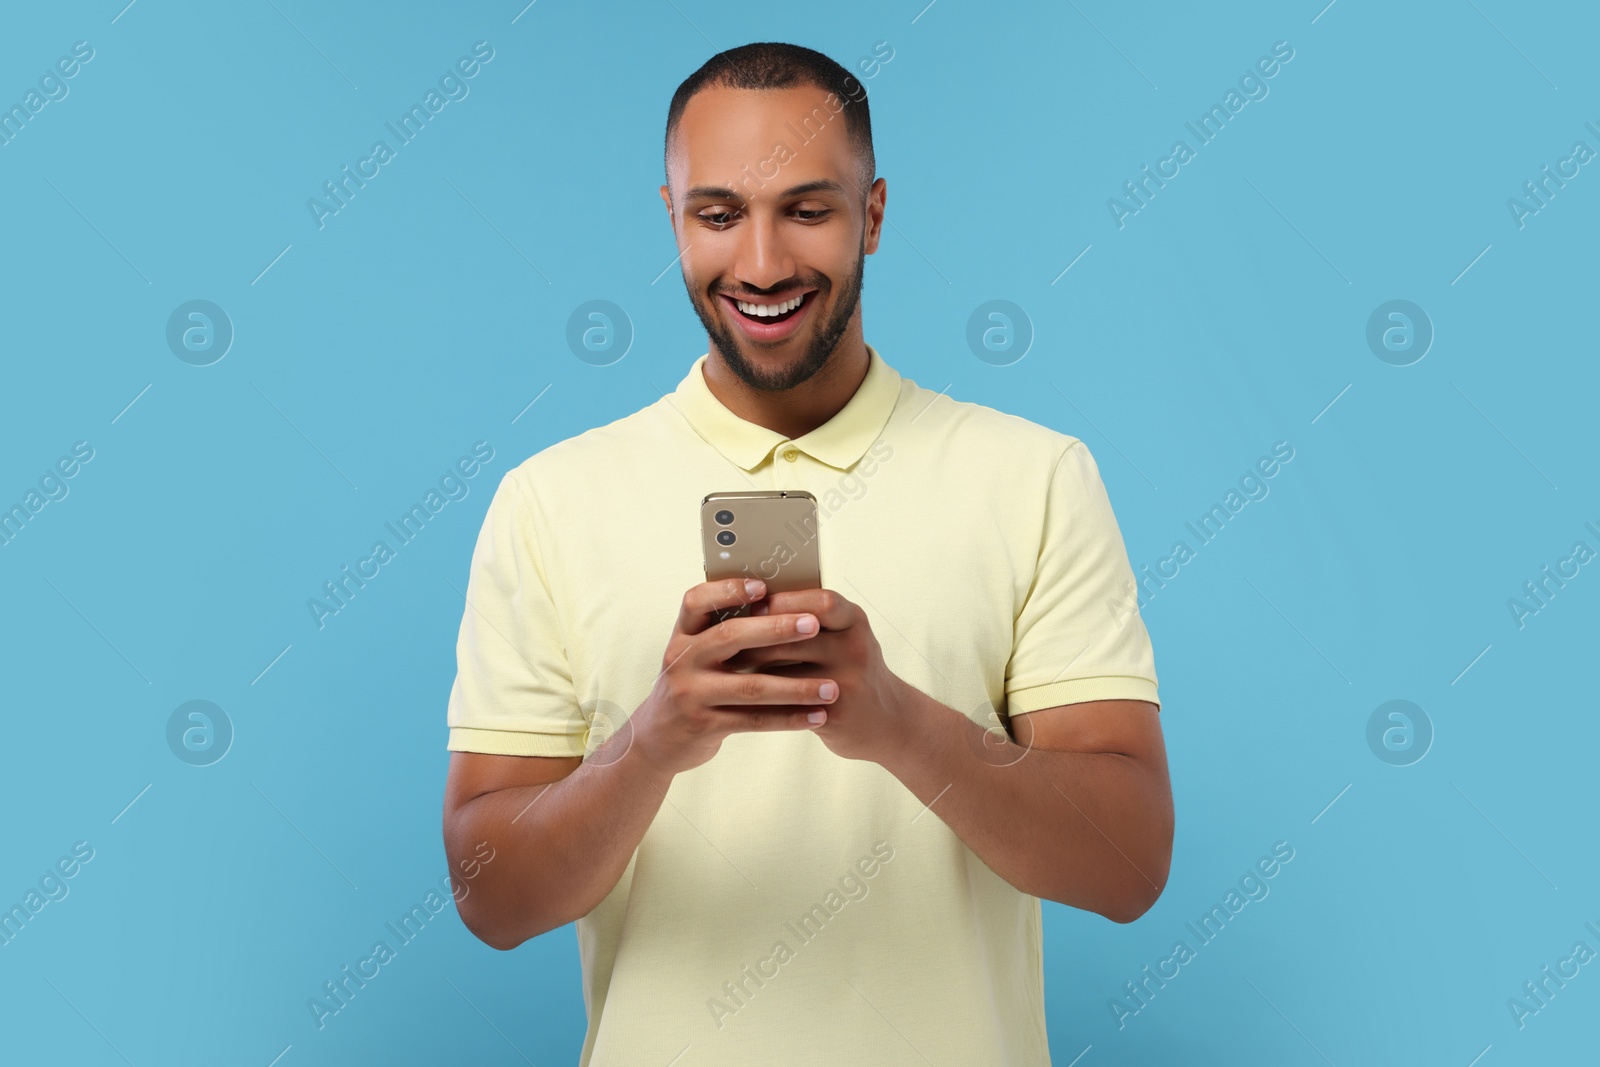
(840,860)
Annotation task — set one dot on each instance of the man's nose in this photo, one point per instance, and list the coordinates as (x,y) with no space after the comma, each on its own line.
(763,260)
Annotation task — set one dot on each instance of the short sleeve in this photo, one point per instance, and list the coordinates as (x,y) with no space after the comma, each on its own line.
(1079,636)
(513,693)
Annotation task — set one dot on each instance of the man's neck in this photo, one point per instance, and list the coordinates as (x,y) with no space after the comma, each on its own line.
(800,410)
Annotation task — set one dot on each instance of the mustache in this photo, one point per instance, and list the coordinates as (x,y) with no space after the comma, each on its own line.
(808,287)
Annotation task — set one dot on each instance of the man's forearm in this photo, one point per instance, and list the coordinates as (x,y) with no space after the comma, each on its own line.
(1088,829)
(562,846)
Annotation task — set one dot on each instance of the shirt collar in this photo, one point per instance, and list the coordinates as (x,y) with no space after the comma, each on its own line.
(839,442)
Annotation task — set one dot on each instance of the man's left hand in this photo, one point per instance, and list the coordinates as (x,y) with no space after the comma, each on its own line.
(874,712)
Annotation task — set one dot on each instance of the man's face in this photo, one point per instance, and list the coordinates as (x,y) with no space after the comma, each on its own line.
(766,216)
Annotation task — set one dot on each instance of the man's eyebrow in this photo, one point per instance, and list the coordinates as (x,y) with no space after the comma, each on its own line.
(722,192)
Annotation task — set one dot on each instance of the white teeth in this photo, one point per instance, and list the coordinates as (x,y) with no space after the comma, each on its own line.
(769,310)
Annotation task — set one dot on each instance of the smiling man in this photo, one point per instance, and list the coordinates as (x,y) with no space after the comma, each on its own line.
(819,833)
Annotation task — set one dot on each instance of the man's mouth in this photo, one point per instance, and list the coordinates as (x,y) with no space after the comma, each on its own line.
(769,320)
(770,312)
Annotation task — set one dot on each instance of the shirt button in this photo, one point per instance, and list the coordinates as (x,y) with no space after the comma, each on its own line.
(791,454)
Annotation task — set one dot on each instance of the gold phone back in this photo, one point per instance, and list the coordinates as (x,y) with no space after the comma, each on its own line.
(775,538)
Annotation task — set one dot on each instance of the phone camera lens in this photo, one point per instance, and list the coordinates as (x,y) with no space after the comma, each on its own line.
(724,518)
(725,537)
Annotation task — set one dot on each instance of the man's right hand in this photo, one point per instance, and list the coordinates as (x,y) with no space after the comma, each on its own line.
(697,700)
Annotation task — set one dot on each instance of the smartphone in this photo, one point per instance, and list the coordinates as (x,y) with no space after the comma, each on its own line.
(765,534)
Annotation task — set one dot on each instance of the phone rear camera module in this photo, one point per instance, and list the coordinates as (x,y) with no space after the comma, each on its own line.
(726,537)
(724,518)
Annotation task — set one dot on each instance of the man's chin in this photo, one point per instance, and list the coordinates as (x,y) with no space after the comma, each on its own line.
(771,367)
(795,343)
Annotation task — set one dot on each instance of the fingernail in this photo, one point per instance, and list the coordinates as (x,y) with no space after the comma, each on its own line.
(827,690)
(752,587)
(815,718)
(807,624)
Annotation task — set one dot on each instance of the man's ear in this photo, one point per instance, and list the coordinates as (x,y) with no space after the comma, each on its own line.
(876,198)
(666,198)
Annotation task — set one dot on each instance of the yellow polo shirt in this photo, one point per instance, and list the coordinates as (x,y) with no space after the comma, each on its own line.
(787,906)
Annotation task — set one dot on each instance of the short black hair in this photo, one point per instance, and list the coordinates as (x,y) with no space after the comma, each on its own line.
(776,65)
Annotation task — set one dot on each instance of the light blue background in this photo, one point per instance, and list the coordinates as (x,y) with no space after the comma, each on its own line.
(1225,316)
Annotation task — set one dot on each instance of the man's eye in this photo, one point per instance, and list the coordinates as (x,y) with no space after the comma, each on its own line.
(719,219)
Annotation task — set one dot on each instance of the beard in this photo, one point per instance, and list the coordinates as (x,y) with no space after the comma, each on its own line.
(824,340)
